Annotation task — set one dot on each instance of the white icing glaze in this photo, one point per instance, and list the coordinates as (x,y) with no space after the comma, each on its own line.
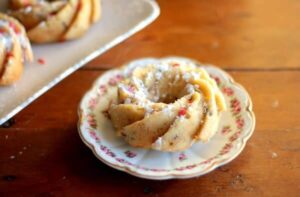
(127,101)
(158,75)
(162,66)
(149,76)
(177,77)
(195,75)
(157,144)
(8,40)
(186,76)
(168,109)
(27,9)
(190,88)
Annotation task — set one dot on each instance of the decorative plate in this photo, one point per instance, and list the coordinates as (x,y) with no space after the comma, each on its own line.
(120,19)
(235,128)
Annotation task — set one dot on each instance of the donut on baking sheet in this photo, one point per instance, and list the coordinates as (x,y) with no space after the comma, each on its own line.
(15,49)
(167,106)
(54,21)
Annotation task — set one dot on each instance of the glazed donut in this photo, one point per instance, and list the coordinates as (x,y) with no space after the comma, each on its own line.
(54,21)
(15,49)
(167,106)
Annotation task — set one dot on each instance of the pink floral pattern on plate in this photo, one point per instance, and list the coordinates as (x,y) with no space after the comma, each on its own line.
(182,157)
(233,132)
(130,154)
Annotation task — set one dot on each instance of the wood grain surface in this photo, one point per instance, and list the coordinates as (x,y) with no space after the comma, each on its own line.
(256,41)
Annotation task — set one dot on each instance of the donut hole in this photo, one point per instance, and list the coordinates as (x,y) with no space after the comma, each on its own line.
(159,86)
(168,98)
(168,89)
(166,95)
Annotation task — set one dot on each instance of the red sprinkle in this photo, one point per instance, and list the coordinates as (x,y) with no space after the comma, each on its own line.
(182,111)
(41,61)
(62,40)
(2,31)
(26,2)
(14,27)
(9,55)
(79,6)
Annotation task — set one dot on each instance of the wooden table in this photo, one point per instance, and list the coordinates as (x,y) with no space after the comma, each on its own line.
(258,42)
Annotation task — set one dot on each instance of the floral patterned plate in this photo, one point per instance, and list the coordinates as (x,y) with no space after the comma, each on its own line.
(235,128)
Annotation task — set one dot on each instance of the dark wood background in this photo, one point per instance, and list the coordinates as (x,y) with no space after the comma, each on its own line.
(256,41)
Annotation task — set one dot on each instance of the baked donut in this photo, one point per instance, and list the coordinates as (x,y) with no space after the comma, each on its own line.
(15,49)
(53,21)
(167,106)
